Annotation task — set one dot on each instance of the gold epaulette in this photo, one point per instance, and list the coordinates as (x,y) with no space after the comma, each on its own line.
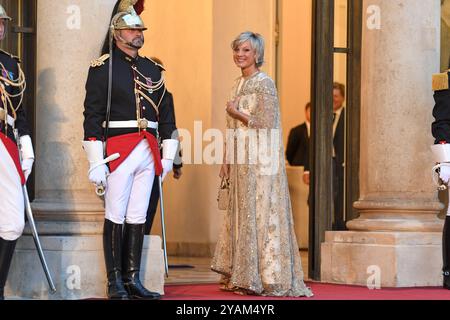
(11,55)
(157,64)
(440,81)
(99,61)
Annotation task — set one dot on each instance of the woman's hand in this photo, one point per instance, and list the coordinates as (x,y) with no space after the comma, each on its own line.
(225,171)
(232,108)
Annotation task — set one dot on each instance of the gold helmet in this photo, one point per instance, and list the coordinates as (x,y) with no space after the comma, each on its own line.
(3,14)
(127,16)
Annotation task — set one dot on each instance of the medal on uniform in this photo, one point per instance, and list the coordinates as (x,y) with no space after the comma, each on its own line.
(6,74)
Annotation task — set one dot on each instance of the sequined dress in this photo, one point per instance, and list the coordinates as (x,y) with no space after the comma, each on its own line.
(257,250)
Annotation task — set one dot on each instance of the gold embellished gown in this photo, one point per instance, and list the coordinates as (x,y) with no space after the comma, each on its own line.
(257,250)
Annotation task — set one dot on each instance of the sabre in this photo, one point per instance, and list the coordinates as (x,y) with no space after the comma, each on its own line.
(100,189)
(34,232)
(110,81)
(163,225)
(36,240)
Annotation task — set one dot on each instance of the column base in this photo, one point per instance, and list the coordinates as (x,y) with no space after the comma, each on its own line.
(397,215)
(77,266)
(404,259)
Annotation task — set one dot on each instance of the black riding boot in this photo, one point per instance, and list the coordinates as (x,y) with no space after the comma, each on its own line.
(446,253)
(6,254)
(133,241)
(112,248)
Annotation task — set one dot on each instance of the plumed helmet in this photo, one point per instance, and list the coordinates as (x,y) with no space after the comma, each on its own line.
(3,14)
(127,15)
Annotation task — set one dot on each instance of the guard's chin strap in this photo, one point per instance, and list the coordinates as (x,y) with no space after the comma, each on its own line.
(122,40)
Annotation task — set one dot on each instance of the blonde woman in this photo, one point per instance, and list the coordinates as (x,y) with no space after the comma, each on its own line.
(257,252)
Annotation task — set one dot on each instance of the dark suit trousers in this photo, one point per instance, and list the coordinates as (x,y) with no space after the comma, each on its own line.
(338,194)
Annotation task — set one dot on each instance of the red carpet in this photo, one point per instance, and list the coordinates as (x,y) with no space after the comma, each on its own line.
(321,292)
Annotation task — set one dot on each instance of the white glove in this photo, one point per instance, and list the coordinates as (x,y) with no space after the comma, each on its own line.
(98,175)
(170,150)
(98,170)
(444,174)
(27,166)
(167,167)
(27,155)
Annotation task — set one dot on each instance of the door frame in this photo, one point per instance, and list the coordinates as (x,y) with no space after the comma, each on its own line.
(321,130)
(353,117)
(321,143)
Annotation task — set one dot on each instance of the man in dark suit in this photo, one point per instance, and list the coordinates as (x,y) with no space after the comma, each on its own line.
(338,155)
(297,151)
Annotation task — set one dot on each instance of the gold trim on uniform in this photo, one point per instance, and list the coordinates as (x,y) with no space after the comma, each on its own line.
(150,88)
(11,55)
(99,61)
(5,96)
(440,81)
(157,64)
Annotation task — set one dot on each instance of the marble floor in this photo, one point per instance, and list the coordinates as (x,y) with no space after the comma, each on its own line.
(185,270)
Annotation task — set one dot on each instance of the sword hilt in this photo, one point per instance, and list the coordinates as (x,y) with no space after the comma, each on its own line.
(100,190)
(441,186)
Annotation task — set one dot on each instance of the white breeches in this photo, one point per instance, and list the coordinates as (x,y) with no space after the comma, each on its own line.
(130,186)
(12,208)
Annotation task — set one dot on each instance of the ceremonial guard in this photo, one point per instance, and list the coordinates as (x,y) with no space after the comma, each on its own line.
(16,154)
(125,125)
(441,153)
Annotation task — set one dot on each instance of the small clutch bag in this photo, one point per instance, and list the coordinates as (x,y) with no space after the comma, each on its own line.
(222,198)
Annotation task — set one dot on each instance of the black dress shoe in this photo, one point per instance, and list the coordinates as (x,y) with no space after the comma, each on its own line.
(447,280)
(116,290)
(446,253)
(136,290)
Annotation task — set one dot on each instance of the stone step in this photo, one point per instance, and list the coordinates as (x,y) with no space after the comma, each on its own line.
(77,266)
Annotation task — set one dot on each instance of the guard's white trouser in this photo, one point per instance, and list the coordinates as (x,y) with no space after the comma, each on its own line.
(12,207)
(129,187)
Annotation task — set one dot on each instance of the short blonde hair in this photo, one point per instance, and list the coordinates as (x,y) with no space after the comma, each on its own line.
(256,42)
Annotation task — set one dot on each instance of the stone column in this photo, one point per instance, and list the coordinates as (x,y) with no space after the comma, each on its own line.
(69,215)
(398,232)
